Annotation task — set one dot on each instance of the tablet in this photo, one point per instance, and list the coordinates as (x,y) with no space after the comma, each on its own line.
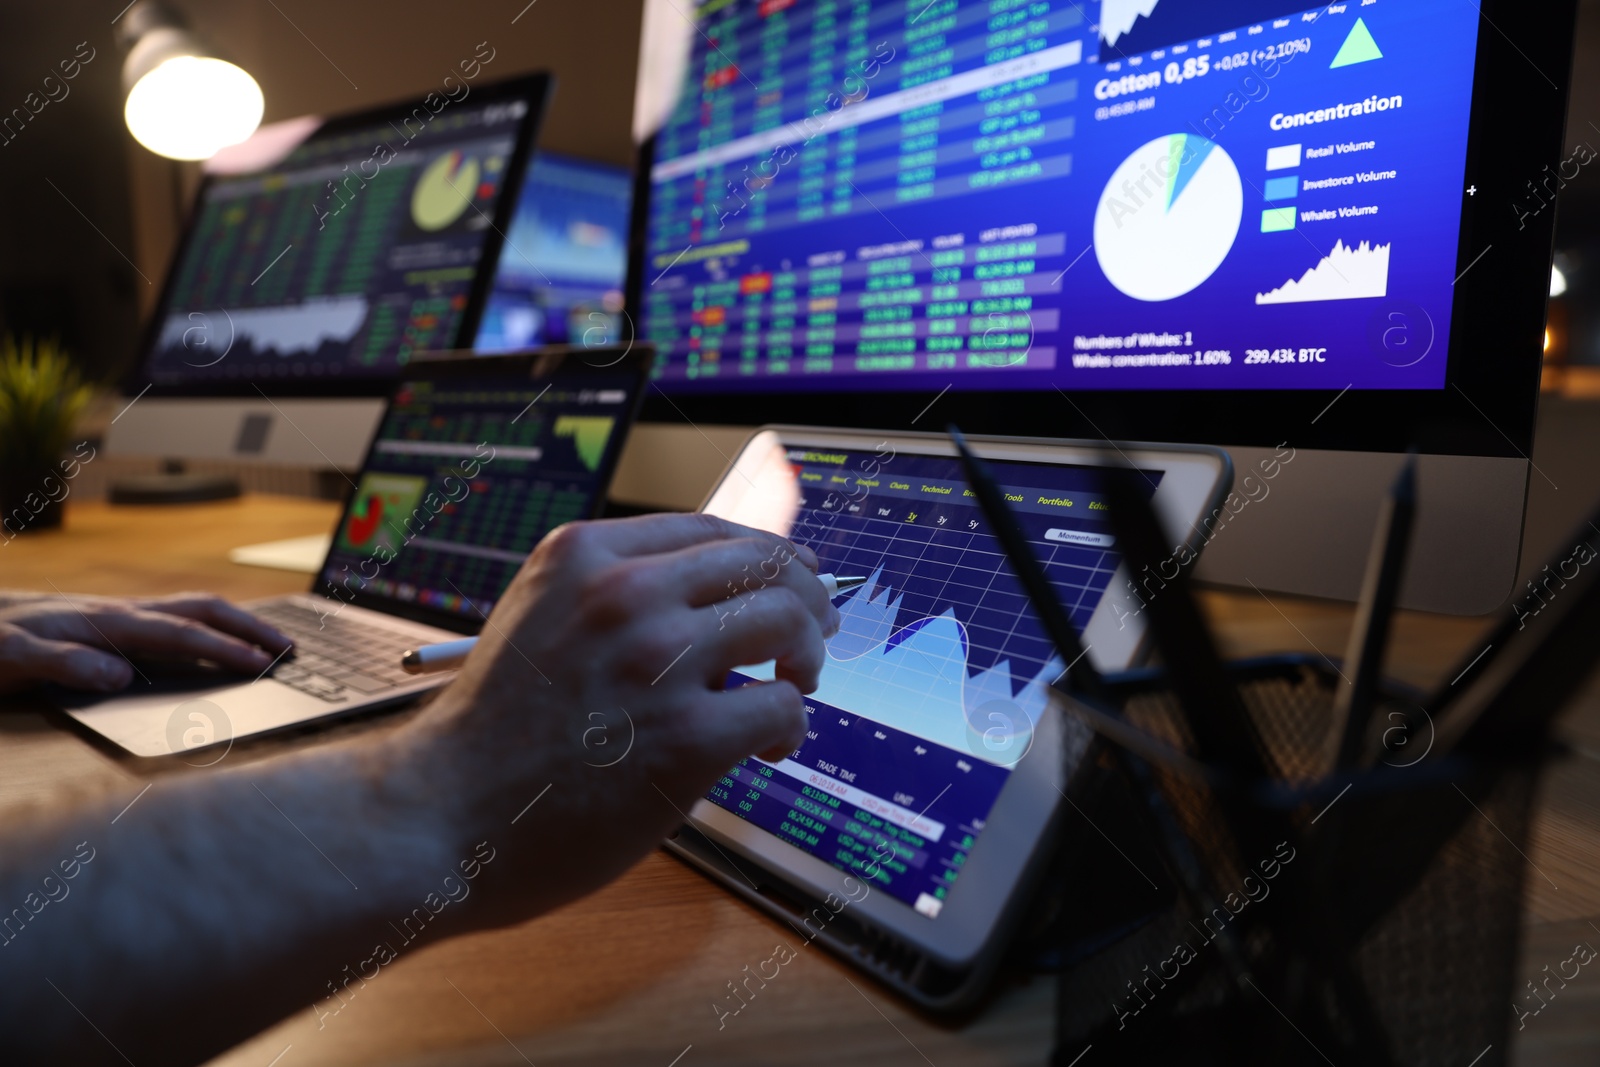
(902,831)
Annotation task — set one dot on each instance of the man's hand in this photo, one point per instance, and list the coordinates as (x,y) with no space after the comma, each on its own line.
(83,641)
(252,891)
(616,637)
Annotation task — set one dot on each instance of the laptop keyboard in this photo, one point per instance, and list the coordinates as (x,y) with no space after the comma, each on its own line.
(336,658)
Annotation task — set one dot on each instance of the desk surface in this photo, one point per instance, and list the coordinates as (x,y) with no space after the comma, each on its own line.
(629,974)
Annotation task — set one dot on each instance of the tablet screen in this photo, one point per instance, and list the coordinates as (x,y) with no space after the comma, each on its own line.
(940,671)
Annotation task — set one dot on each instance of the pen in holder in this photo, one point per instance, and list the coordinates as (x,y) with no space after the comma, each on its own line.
(1331,896)
(1417,970)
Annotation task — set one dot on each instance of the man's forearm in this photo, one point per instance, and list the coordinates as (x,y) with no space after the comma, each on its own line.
(213,905)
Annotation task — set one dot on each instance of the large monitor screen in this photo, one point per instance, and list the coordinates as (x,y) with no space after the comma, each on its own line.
(561,268)
(1028,195)
(358,248)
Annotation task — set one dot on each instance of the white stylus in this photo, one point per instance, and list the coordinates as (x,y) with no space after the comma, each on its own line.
(834,585)
(448,655)
(444,656)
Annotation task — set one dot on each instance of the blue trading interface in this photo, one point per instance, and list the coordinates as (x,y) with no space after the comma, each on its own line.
(465,478)
(1084,194)
(356,251)
(561,268)
(931,690)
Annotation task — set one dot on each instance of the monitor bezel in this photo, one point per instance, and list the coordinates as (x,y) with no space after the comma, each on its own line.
(633,361)
(535,88)
(1487,406)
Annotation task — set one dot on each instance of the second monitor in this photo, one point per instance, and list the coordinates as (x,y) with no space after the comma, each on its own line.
(321,256)
(559,280)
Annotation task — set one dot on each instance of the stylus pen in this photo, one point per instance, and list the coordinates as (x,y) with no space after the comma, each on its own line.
(1059,628)
(444,656)
(448,655)
(1369,637)
(1086,682)
(1223,733)
(833,584)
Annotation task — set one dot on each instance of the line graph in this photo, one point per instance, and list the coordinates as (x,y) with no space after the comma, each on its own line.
(284,330)
(1345,273)
(1117,17)
(915,678)
(940,642)
(1130,27)
(932,688)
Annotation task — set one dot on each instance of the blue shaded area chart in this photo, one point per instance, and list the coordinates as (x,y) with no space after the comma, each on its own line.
(933,686)
(1128,27)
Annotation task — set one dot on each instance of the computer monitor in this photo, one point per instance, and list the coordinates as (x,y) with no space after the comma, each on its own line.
(559,280)
(1253,223)
(317,272)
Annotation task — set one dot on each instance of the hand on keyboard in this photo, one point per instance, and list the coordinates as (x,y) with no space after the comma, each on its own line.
(83,641)
(336,658)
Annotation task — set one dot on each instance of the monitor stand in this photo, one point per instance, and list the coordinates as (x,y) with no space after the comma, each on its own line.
(314,433)
(1308,530)
(173,485)
(323,434)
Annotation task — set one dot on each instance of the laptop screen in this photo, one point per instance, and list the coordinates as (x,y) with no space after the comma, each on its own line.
(465,476)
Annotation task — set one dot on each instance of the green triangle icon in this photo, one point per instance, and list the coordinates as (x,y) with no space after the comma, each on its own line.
(1359,47)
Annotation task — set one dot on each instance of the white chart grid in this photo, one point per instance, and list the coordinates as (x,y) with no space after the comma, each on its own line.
(944,573)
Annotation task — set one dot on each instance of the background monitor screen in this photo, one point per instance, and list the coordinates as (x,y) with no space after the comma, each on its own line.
(358,248)
(562,266)
(1061,194)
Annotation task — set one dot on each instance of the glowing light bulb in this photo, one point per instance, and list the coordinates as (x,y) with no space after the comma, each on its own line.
(190,106)
(1558,282)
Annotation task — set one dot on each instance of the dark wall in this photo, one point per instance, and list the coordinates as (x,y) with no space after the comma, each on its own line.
(65,215)
(327,57)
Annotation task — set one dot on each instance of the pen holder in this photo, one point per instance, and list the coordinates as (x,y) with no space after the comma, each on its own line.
(1383,929)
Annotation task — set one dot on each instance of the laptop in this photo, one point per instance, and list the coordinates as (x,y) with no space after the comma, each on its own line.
(475,459)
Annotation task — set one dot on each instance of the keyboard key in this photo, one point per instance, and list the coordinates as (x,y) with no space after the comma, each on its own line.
(323,688)
(361,683)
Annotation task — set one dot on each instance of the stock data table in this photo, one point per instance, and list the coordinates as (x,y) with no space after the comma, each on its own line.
(806,131)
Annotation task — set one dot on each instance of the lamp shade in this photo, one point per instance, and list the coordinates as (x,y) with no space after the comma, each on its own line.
(182,101)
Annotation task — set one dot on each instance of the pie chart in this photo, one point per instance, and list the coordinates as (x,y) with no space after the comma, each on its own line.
(365,515)
(382,504)
(1168,217)
(444,191)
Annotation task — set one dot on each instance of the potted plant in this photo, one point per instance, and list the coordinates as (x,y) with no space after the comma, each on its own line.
(41,396)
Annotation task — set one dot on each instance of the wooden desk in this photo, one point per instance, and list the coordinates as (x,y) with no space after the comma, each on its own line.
(629,974)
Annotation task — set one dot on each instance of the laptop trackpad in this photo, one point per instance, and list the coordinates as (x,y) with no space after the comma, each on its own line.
(184,709)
